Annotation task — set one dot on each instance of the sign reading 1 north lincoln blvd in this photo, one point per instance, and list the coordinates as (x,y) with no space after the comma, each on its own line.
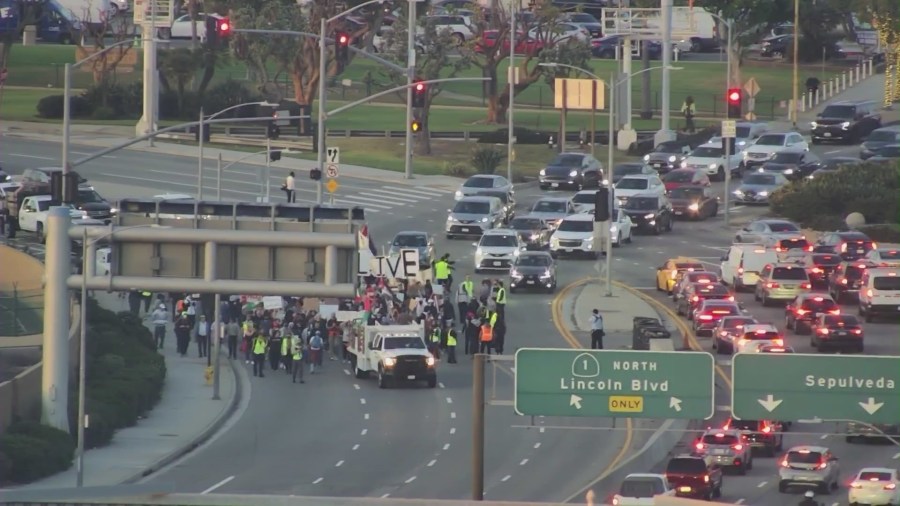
(614,383)
(829,387)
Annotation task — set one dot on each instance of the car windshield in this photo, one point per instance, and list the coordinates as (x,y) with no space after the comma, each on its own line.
(839,111)
(576,226)
(642,204)
(887,283)
(686,192)
(841,320)
(828,260)
(770,140)
(525,224)
(793,243)
(549,206)
(890,151)
(762,335)
(874,476)
(566,160)
(884,136)
(479,182)
(781,226)
(534,260)
(496,241)
(804,457)
(626,169)
(721,309)
(736,323)
(640,487)
(584,198)
(410,241)
(791,273)
(751,425)
(787,157)
(464,207)
(819,304)
(760,179)
(711,290)
(668,147)
(742,132)
(43,205)
(633,183)
(503,196)
(707,152)
(679,176)
(721,439)
(685,267)
(854,272)
(889,254)
(409,343)
(686,466)
(88,195)
(582,18)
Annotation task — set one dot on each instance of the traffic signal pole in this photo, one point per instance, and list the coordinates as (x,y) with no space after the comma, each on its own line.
(410,75)
(320,156)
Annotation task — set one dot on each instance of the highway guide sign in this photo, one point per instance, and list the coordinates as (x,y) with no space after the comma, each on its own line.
(614,383)
(799,386)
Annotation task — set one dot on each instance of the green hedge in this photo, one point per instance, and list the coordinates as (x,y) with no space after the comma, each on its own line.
(125,378)
(871,188)
(882,232)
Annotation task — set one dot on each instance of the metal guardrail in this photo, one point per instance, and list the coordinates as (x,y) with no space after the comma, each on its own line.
(21,309)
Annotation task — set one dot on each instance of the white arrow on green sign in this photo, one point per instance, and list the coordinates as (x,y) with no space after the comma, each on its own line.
(614,383)
(799,386)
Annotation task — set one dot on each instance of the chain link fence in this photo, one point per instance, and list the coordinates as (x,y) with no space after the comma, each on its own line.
(21,309)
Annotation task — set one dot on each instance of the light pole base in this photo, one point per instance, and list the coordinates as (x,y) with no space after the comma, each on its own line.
(144,126)
(664,136)
(625,138)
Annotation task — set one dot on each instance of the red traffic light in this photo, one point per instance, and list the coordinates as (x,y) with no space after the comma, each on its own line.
(420,87)
(734,96)
(343,39)
(224,27)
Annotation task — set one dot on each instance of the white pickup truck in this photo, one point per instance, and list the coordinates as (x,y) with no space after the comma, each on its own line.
(31,215)
(640,489)
(393,352)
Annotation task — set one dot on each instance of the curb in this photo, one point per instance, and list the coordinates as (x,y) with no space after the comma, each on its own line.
(200,438)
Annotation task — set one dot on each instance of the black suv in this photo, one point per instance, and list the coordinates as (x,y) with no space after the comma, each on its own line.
(845,122)
(849,245)
(694,476)
(94,205)
(762,435)
(845,280)
(651,213)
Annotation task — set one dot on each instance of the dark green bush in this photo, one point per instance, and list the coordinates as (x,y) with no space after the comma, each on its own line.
(62,443)
(523,136)
(30,451)
(882,232)
(51,107)
(123,100)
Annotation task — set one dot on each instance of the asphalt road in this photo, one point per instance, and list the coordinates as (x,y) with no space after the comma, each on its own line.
(336,435)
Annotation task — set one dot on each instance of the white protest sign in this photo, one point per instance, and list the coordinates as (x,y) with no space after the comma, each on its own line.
(403,265)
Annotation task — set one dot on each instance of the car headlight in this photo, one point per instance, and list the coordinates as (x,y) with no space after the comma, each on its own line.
(646,158)
(763,194)
(390,361)
(813,124)
(458,195)
(514,274)
(845,125)
(650,216)
(694,207)
(113,210)
(543,172)
(745,155)
(684,164)
(484,220)
(742,143)
(606,182)
(545,275)
(738,192)
(712,166)
(573,173)
(429,361)
(516,252)
(589,240)
(788,172)
(613,229)
(535,237)
(479,251)
(450,218)
(673,158)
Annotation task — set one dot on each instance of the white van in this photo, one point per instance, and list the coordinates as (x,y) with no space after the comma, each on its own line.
(103,264)
(879,293)
(743,262)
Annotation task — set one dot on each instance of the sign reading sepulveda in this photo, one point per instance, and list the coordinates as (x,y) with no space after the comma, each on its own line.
(803,386)
(614,383)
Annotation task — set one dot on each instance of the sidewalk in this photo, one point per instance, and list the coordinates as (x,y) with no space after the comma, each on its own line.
(184,418)
(106,136)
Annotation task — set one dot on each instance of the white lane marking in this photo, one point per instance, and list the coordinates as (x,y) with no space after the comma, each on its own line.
(537,445)
(387,199)
(431,463)
(836,504)
(453,431)
(339,463)
(364,201)
(366,416)
(217,485)
(419,189)
(524,461)
(356,386)
(446,446)
(318,480)
(395,195)
(897,456)
(762,484)
(355,447)
(506,478)
(449,400)
(513,369)
(410,480)
(453,414)
(173,183)
(824,436)
(32,156)
(385,496)
(541,430)
(440,385)
(739,501)
(363,432)
(362,400)
(833,151)
(347,372)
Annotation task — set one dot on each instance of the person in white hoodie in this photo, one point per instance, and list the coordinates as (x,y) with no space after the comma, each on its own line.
(159,318)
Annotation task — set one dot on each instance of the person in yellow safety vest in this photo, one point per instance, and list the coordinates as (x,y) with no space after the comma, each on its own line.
(442,276)
(286,356)
(487,335)
(260,346)
(465,292)
(688,109)
(434,342)
(147,297)
(297,359)
(500,300)
(491,318)
(451,345)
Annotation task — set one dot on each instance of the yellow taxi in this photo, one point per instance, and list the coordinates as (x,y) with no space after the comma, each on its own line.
(667,274)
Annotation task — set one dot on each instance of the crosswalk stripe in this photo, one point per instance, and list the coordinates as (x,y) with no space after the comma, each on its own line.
(356,204)
(361,201)
(400,201)
(419,189)
(396,196)
(370,201)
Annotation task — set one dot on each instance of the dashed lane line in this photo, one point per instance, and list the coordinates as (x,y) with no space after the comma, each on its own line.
(363,432)
(446,446)
(537,445)
(441,385)
(506,478)
(339,463)
(217,485)
(523,462)
(453,431)
(366,416)
(410,479)
(356,386)
(762,484)
(453,414)
(449,400)
(355,447)
(362,400)
(318,480)
(431,463)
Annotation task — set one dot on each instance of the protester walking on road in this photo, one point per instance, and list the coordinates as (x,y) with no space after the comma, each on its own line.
(232,330)
(316,343)
(465,292)
(297,359)
(500,300)
(203,337)
(290,189)
(597,330)
(159,318)
(486,337)
(287,360)
(183,330)
(451,343)
(259,354)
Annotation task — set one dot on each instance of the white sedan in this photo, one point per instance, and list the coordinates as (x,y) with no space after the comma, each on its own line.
(559,33)
(620,230)
(181,26)
(875,485)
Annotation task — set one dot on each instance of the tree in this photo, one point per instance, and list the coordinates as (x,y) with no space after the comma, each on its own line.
(99,36)
(541,40)
(177,65)
(433,61)
(14,17)
(884,15)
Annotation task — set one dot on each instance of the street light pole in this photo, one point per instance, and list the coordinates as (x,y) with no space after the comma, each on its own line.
(320,156)
(795,106)
(510,124)
(410,75)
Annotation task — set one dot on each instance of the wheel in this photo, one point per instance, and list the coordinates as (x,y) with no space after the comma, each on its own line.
(618,240)
(801,328)
(382,379)
(40,233)
(657,229)
(860,348)
(670,224)
(658,286)
(459,39)
(164,33)
(628,239)
(782,487)
(432,382)
(850,439)
(788,324)
(451,236)
(678,310)
(742,470)
(696,47)
(65,39)
(720,174)
(750,463)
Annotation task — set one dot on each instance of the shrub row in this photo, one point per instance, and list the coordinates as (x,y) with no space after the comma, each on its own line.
(123,101)
(871,188)
(125,378)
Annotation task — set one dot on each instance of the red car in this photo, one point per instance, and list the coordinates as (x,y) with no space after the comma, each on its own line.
(685,177)
(524,44)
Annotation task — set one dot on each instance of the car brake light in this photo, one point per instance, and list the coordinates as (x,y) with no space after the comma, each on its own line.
(834,311)
(699,446)
(843,281)
(695,298)
(706,317)
(809,248)
(785,463)
(890,486)
(767,430)
(731,298)
(801,312)
(856,485)
(824,331)
(615,501)
(870,293)
(818,299)
(857,331)
(822,465)
(740,270)
(738,447)
(741,342)
(780,249)
(771,284)
(705,478)
(778,342)
(815,270)
(806,286)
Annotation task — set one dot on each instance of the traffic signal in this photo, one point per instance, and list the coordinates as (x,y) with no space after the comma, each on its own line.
(342,47)
(415,126)
(223,28)
(315,174)
(218,30)
(274,155)
(734,103)
(272,130)
(56,186)
(419,90)
(601,204)
(70,187)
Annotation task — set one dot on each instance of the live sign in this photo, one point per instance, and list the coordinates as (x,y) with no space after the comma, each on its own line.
(614,383)
(829,387)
